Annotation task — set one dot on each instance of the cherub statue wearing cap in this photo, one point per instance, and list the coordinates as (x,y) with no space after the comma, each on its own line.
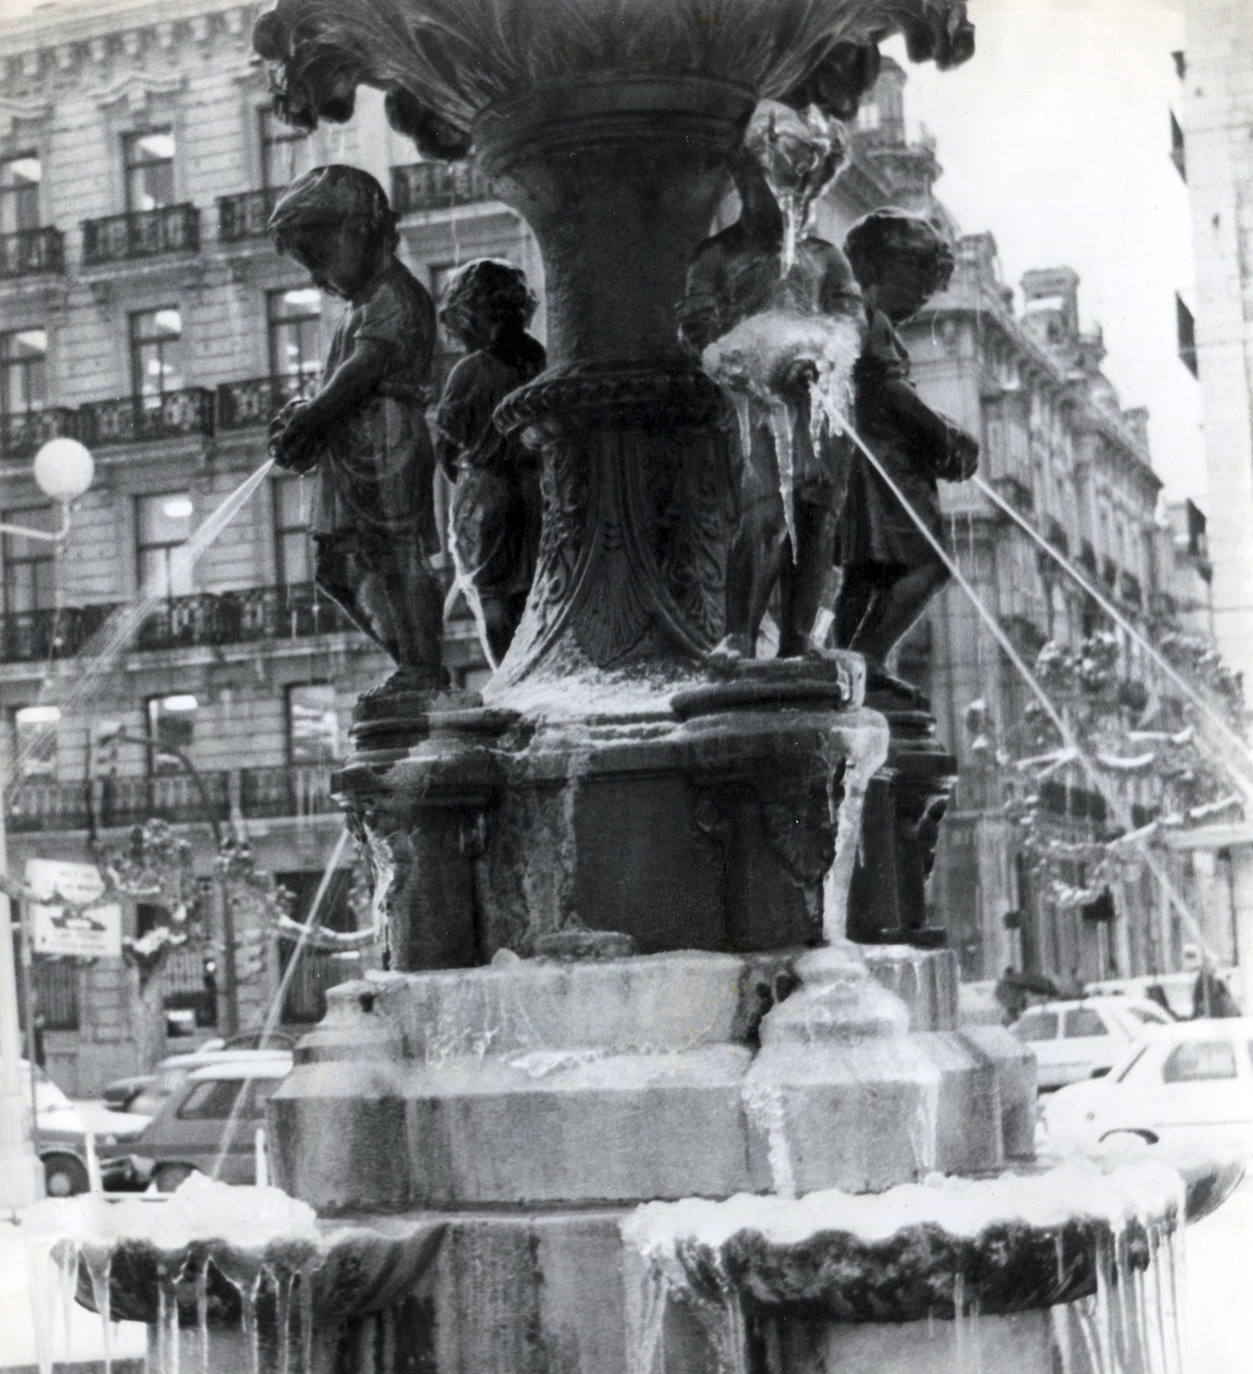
(364,432)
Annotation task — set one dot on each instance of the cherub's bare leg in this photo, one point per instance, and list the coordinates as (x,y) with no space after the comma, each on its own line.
(757,552)
(895,610)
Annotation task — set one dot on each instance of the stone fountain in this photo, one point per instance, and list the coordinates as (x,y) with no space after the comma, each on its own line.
(617,885)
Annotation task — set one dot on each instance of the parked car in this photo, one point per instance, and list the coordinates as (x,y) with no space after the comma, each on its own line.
(1075,1039)
(61,1136)
(1177,988)
(189,1129)
(143,1093)
(1191,1082)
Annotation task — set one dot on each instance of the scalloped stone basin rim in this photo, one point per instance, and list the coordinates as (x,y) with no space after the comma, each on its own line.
(941,1248)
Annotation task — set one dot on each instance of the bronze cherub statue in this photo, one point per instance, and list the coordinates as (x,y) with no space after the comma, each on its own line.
(364,432)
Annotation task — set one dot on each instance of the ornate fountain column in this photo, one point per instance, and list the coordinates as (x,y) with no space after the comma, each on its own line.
(619,181)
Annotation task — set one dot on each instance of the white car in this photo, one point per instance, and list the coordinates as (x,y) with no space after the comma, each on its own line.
(60,1134)
(1073,1040)
(1189,1083)
(1177,988)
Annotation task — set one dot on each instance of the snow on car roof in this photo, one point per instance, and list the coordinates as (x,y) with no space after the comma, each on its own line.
(271,1067)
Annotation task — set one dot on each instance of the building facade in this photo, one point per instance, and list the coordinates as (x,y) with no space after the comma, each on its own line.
(147,315)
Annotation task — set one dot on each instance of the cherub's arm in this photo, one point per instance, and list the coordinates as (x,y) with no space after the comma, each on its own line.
(352,381)
(956,453)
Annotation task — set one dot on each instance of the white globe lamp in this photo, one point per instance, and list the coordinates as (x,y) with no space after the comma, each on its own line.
(63,469)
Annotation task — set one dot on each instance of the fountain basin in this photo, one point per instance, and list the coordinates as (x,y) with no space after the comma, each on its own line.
(941,1250)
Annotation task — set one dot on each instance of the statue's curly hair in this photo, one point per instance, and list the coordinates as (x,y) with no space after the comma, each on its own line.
(890,233)
(332,195)
(502,285)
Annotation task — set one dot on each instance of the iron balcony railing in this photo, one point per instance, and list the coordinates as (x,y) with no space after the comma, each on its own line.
(138,419)
(261,793)
(36,636)
(22,435)
(437,186)
(30,252)
(286,790)
(245,215)
(203,619)
(243,405)
(240,617)
(141,234)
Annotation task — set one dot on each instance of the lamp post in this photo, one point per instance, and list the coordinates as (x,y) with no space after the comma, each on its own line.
(230,981)
(63,470)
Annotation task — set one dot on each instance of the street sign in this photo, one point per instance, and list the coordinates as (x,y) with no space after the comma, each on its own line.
(90,932)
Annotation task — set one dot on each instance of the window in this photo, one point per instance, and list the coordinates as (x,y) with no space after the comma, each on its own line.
(19,193)
(156,354)
(214,1099)
(162,525)
(148,160)
(1150,1017)
(23,371)
(172,724)
(1185,335)
(291,536)
(33,741)
(286,153)
(1037,1025)
(312,724)
(1197,1060)
(1082,1021)
(29,564)
(1178,154)
(295,324)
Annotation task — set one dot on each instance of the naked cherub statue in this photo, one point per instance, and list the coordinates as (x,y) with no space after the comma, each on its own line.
(364,432)
(495,514)
(773,310)
(891,570)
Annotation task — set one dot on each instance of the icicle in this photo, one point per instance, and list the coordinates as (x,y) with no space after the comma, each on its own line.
(201,1284)
(168,1309)
(65,1259)
(743,418)
(99,1265)
(249,1292)
(1103,1311)
(960,1326)
(306,1321)
(1159,1300)
(163,1364)
(780,414)
(1084,1311)
(646,1317)
(1059,1244)
(1060,1319)
(1174,1314)
(283,1279)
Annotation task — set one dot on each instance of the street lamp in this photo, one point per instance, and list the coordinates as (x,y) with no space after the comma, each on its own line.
(63,470)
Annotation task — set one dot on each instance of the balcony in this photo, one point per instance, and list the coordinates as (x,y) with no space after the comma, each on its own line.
(438,186)
(37,636)
(140,419)
(141,234)
(21,436)
(32,252)
(245,216)
(241,617)
(204,619)
(247,404)
(286,790)
(261,794)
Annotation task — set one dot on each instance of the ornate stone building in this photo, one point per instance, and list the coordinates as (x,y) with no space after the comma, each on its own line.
(146,314)
(1058,447)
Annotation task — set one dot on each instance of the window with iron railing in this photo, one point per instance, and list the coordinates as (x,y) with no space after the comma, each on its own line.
(29,581)
(286,152)
(20,178)
(156,349)
(162,526)
(148,168)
